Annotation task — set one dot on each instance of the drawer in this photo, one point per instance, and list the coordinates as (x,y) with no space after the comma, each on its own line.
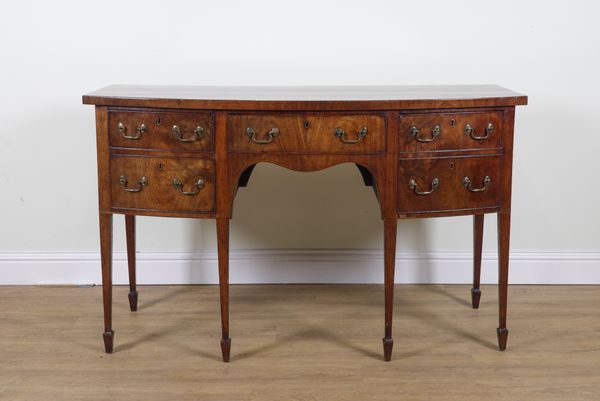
(162,183)
(448,183)
(449,131)
(161,130)
(306,133)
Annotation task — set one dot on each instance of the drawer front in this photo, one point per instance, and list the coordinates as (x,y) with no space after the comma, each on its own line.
(449,131)
(168,184)
(453,183)
(189,131)
(306,134)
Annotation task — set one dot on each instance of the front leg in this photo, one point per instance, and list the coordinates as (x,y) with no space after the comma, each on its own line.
(503,252)
(223,253)
(106,220)
(389,257)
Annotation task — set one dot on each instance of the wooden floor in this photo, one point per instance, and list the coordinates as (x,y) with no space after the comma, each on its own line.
(300,342)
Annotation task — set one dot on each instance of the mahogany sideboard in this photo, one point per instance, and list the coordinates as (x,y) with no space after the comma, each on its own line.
(427,151)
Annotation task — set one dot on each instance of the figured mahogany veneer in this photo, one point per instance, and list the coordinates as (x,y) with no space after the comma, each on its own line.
(185,151)
(446,131)
(159,192)
(311,133)
(193,131)
(450,193)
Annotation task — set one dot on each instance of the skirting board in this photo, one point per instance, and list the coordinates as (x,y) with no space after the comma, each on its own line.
(299,266)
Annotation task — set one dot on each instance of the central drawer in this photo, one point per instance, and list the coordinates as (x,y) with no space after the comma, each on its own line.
(162,183)
(353,133)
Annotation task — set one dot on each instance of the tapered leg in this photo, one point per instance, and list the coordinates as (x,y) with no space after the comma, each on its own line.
(130,234)
(503,251)
(106,258)
(223,251)
(477,247)
(389,257)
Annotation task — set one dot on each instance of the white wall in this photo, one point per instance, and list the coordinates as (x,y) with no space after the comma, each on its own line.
(53,52)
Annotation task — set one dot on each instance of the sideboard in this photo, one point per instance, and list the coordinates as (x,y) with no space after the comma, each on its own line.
(183,151)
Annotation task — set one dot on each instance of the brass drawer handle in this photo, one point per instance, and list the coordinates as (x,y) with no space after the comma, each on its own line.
(469,130)
(340,133)
(435,132)
(179,187)
(486,183)
(141,129)
(142,182)
(270,135)
(434,184)
(198,134)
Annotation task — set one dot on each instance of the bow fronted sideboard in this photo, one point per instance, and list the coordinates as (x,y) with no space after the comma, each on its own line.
(427,151)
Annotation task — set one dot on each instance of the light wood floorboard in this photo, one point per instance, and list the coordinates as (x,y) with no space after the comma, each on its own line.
(300,342)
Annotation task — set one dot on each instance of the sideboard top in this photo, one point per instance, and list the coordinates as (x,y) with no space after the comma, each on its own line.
(305,97)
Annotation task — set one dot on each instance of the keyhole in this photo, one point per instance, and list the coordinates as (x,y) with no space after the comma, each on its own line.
(160,167)
(306,124)
(452,122)
(158,122)
(451,165)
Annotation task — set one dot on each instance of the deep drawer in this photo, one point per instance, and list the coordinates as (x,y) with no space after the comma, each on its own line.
(167,184)
(306,134)
(161,130)
(444,184)
(449,131)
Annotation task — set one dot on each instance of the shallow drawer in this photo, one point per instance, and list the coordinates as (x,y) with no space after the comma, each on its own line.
(440,184)
(306,134)
(160,130)
(168,184)
(449,131)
